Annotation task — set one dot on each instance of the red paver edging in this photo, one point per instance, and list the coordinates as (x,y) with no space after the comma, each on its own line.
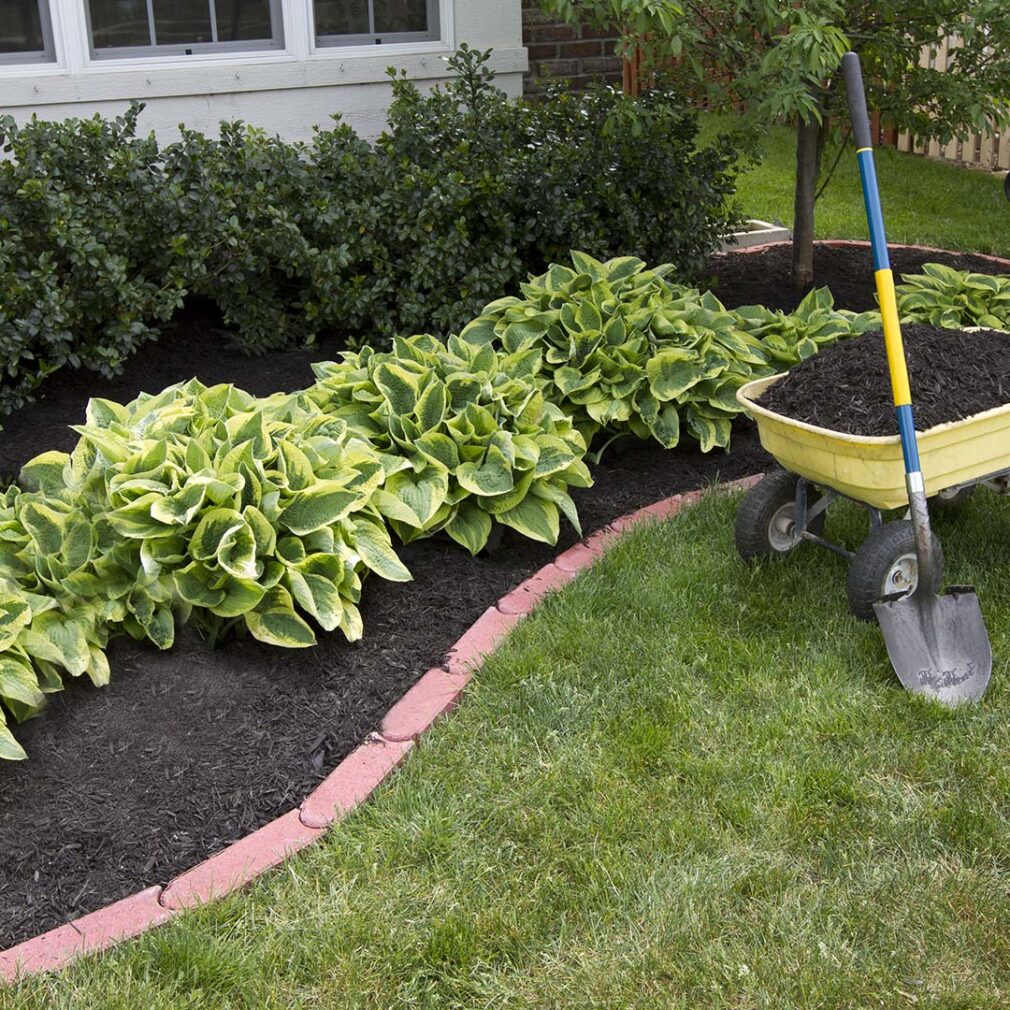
(356,777)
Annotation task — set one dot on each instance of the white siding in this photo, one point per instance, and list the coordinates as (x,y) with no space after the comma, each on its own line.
(287,93)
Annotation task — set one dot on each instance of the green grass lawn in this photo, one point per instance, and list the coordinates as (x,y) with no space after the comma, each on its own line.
(925,202)
(683,783)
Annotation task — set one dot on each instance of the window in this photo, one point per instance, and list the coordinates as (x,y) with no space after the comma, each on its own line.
(182,27)
(351,22)
(25,31)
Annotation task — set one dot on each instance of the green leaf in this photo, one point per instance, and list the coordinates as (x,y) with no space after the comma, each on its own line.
(275,622)
(371,541)
(399,386)
(534,518)
(672,373)
(15,615)
(45,526)
(470,527)
(58,640)
(10,749)
(324,503)
(18,683)
(213,531)
(493,476)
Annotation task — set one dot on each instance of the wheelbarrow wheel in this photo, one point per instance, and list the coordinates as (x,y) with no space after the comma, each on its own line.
(952,498)
(886,564)
(766,518)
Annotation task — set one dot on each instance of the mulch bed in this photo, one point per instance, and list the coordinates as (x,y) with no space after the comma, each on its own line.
(188,750)
(762,278)
(847,387)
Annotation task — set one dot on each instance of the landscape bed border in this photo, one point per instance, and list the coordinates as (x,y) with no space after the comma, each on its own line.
(353,781)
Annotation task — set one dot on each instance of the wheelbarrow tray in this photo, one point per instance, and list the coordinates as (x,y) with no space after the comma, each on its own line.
(870,469)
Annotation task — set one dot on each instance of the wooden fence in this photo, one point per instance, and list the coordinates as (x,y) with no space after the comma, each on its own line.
(983,150)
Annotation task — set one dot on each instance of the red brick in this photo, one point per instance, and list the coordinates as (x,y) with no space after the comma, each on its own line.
(650,513)
(47,952)
(436,693)
(575,558)
(552,33)
(353,780)
(579,50)
(556,68)
(123,919)
(544,51)
(481,640)
(240,863)
(528,594)
(601,65)
(602,540)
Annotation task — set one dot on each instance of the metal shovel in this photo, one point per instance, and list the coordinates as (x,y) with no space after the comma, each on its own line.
(938,645)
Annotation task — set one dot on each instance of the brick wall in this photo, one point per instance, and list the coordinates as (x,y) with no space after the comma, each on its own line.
(579,54)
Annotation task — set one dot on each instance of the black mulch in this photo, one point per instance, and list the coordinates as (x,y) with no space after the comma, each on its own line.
(847,387)
(762,278)
(188,750)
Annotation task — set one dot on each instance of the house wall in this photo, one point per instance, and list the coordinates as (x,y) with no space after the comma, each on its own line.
(285,92)
(576,52)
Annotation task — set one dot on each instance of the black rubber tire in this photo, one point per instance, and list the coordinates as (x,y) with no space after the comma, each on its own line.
(877,555)
(947,502)
(760,506)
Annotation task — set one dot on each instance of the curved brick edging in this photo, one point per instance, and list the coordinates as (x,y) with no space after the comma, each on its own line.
(854,243)
(348,785)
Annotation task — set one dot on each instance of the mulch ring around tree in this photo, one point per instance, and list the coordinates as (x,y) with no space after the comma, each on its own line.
(953,374)
(188,750)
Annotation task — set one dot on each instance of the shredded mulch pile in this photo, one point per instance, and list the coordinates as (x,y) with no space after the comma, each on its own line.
(846,387)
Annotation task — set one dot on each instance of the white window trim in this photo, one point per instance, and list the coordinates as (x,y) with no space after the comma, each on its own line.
(76,77)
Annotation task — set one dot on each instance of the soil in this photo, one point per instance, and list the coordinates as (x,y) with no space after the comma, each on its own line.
(188,750)
(762,278)
(846,387)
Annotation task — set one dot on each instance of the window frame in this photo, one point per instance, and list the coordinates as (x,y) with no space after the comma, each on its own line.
(36,57)
(108,54)
(322,43)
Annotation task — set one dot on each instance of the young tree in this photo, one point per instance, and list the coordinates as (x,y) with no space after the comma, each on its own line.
(781,61)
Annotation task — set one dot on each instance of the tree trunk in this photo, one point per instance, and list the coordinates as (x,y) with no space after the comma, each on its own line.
(810,139)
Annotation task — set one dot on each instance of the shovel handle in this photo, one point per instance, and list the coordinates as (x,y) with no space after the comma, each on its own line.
(881,262)
(914,482)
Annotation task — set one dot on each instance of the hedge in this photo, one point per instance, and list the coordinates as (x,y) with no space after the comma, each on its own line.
(103,233)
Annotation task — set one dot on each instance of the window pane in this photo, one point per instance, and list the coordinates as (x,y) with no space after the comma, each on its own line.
(239,20)
(181,21)
(342,17)
(401,16)
(119,23)
(20,27)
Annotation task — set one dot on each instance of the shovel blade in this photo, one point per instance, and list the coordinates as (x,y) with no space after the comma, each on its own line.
(938,645)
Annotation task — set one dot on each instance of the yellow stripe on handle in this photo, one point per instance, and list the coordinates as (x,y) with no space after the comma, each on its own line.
(892,337)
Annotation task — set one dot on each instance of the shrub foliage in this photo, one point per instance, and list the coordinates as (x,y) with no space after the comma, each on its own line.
(102,233)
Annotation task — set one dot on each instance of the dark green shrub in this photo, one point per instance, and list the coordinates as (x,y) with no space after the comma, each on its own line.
(466,193)
(90,250)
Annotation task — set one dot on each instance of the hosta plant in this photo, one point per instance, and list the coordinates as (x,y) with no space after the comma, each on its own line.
(208,501)
(624,350)
(38,643)
(789,338)
(946,297)
(467,438)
